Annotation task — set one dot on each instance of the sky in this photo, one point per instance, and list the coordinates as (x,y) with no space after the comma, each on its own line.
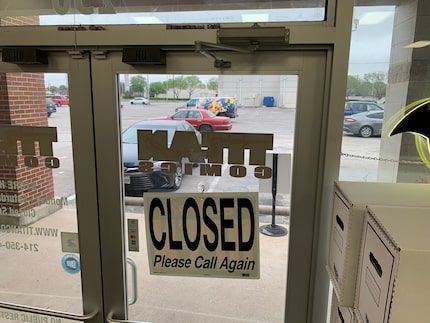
(370,42)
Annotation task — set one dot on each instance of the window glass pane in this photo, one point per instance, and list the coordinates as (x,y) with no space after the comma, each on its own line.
(371,34)
(181,114)
(254,99)
(380,75)
(39,246)
(164,12)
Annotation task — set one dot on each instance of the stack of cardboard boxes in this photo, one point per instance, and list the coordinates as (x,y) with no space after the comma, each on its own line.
(379,253)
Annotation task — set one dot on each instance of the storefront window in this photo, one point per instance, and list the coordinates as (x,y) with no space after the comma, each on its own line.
(129,12)
(380,76)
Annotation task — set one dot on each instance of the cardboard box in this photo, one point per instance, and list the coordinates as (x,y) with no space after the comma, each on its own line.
(393,283)
(349,207)
(341,314)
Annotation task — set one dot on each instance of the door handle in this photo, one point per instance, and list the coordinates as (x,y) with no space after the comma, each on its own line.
(133,298)
(43,311)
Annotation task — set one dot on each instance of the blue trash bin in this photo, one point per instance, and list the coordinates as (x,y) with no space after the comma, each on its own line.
(268,101)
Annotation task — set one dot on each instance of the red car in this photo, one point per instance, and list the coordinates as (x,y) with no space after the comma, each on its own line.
(202,120)
(60,100)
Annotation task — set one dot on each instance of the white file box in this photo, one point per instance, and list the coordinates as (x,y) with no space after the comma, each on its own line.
(393,284)
(349,207)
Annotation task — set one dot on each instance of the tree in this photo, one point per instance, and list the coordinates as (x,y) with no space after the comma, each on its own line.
(376,79)
(138,85)
(365,89)
(63,90)
(212,84)
(193,83)
(372,84)
(176,84)
(52,89)
(157,88)
(353,85)
(380,89)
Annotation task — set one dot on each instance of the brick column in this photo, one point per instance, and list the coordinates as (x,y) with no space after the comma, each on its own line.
(23,103)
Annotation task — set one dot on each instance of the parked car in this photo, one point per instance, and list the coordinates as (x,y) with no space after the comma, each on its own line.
(50,107)
(364,124)
(136,182)
(220,106)
(202,120)
(353,107)
(139,100)
(60,100)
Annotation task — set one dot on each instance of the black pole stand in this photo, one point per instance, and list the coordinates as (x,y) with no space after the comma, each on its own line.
(274,229)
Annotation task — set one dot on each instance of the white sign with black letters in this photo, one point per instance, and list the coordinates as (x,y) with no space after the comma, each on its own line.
(203,234)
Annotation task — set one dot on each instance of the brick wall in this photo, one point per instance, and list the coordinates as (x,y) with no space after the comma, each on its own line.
(23,103)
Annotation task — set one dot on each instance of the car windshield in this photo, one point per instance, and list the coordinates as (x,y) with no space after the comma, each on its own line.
(129,136)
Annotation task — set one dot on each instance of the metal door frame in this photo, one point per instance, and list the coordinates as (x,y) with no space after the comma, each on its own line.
(307,293)
(312,68)
(82,121)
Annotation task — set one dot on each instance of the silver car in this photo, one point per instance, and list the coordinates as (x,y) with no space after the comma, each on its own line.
(137,182)
(364,124)
(139,100)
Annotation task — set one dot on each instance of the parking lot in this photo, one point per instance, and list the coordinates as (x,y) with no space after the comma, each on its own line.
(197,304)
(279,121)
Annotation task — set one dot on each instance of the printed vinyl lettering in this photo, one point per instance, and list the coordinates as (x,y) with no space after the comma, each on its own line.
(62,7)
(214,220)
(154,145)
(28,136)
(203,234)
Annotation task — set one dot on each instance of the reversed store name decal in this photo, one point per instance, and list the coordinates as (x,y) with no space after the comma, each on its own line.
(209,155)
(27,136)
(203,234)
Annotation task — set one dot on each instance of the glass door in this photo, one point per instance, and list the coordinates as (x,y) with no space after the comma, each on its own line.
(49,241)
(111,268)
(86,256)
(129,95)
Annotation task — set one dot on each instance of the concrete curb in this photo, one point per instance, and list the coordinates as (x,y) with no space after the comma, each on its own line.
(263,209)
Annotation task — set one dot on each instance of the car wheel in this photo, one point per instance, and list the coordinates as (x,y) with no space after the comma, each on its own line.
(177,181)
(58,104)
(205,127)
(366,132)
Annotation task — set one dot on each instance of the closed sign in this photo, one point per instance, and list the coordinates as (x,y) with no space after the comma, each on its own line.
(203,234)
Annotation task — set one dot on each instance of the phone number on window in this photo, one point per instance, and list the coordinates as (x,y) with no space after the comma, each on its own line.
(19,246)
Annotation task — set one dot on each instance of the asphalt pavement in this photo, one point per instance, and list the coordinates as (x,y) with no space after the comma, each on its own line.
(39,278)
